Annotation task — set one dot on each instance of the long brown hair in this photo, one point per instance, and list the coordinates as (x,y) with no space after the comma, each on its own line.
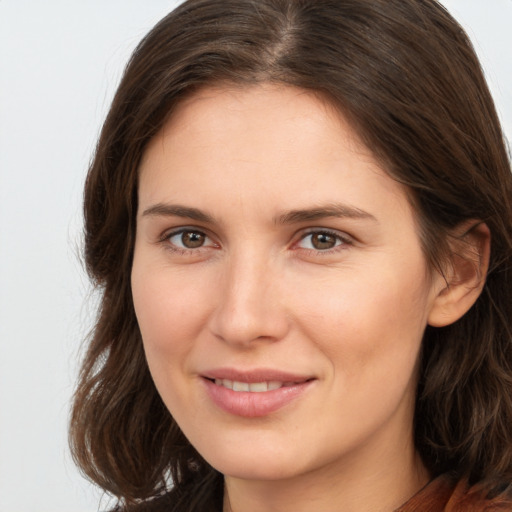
(404,73)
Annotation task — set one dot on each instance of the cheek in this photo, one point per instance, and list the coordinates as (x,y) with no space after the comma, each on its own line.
(366,323)
(171,309)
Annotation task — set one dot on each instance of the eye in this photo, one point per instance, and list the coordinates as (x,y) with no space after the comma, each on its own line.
(188,239)
(321,241)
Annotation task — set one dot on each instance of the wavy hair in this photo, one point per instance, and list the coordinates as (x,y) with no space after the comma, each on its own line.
(405,75)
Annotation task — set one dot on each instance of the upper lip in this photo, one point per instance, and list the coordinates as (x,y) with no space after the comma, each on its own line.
(254,375)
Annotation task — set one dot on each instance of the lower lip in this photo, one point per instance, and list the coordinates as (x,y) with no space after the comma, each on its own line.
(254,405)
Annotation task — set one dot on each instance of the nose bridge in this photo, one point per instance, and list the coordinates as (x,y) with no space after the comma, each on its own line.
(250,306)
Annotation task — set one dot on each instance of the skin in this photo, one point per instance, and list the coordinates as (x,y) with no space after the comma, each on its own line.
(254,291)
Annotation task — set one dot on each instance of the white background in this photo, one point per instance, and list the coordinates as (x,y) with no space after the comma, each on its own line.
(60,61)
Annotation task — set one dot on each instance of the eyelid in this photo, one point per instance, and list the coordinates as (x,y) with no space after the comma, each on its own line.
(165,237)
(343,237)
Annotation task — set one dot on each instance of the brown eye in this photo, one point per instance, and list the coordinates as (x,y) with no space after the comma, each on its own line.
(323,241)
(187,239)
(192,239)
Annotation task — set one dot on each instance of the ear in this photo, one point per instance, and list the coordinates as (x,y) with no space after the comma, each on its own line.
(464,275)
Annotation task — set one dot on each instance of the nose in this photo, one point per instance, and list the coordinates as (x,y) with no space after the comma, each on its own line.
(250,304)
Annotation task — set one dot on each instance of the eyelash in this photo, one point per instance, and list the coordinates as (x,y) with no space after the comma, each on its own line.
(342,241)
(166,240)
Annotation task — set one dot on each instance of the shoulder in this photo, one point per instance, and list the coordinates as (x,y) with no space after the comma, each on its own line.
(476,499)
(445,494)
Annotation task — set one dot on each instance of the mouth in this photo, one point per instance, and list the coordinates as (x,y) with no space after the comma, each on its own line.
(254,393)
(254,387)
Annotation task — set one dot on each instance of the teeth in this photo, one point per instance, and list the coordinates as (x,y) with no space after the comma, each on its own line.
(253,387)
(226,383)
(240,386)
(258,387)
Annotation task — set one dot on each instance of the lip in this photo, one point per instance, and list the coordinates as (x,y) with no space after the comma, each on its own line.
(251,404)
(254,375)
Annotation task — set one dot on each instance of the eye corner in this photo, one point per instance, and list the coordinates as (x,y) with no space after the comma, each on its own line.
(187,240)
(322,241)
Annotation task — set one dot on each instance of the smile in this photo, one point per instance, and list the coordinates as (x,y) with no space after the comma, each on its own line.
(254,393)
(252,387)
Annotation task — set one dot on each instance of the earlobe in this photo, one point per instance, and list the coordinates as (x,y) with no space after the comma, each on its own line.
(465,275)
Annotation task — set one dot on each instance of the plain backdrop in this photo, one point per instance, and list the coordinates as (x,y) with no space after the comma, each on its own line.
(60,61)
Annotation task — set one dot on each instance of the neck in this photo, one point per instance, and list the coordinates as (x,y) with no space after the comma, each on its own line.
(351,486)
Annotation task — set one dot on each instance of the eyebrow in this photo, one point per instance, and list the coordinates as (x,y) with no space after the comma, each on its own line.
(337,210)
(176,210)
(291,217)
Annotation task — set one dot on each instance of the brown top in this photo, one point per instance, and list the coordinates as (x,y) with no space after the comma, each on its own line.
(445,495)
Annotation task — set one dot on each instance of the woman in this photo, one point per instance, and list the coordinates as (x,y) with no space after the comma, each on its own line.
(299,215)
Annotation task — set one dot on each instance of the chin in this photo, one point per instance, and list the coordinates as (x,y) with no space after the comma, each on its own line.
(256,471)
(253,463)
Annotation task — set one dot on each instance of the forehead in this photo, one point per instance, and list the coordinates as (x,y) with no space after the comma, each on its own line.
(263,109)
(266,141)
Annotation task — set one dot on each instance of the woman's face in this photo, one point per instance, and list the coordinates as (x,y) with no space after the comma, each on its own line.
(279,285)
